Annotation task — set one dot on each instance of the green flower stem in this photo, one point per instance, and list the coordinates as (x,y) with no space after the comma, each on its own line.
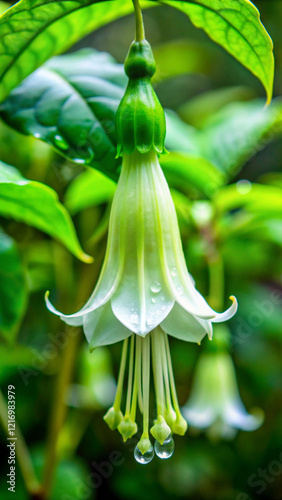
(117,402)
(58,413)
(139,25)
(23,457)
(130,376)
(146,383)
(137,377)
(216,280)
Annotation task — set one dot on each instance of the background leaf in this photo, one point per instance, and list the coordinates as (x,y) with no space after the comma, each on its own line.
(13,289)
(89,189)
(34,30)
(236,26)
(37,205)
(70,103)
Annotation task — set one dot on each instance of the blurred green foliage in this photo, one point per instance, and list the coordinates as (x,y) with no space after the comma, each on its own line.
(224,169)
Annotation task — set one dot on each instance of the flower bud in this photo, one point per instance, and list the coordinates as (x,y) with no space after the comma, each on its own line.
(140,120)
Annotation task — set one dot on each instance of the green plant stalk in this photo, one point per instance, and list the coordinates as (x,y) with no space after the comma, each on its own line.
(22,453)
(139,25)
(58,414)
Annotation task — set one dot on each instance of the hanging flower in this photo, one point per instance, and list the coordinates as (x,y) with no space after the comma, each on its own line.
(215,403)
(144,287)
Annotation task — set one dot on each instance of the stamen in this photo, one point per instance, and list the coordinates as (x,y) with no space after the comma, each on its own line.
(130,376)
(118,397)
(146,382)
(137,381)
(180,424)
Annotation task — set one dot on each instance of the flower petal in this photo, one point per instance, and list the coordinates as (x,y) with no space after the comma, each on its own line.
(184,326)
(229,313)
(236,415)
(142,298)
(102,328)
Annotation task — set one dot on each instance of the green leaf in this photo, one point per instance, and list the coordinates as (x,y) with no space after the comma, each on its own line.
(237,132)
(70,103)
(257,199)
(89,189)
(37,205)
(13,289)
(183,169)
(236,26)
(34,30)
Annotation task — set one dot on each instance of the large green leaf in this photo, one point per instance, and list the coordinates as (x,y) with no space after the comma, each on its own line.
(36,204)
(13,289)
(236,26)
(70,103)
(34,30)
(237,132)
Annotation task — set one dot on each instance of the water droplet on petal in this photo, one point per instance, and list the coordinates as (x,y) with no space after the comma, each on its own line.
(146,458)
(173,271)
(166,449)
(179,289)
(60,142)
(134,318)
(156,287)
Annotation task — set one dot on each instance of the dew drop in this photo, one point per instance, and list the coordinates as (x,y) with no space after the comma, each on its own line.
(163,308)
(146,458)
(173,271)
(154,300)
(179,289)
(166,449)
(156,287)
(134,318)
(60,142)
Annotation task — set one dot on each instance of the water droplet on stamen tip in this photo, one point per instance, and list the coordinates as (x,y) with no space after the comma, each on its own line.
(166,449)
(146,458)
(156,287)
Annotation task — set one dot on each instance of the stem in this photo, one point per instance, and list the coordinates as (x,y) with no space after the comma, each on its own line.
(31,483)
(139,25)
(121,376)
(216,279)
(58,413)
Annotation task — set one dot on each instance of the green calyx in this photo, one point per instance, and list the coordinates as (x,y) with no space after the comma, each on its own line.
(140,120)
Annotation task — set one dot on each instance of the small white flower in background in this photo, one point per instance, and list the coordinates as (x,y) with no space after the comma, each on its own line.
(215,404)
